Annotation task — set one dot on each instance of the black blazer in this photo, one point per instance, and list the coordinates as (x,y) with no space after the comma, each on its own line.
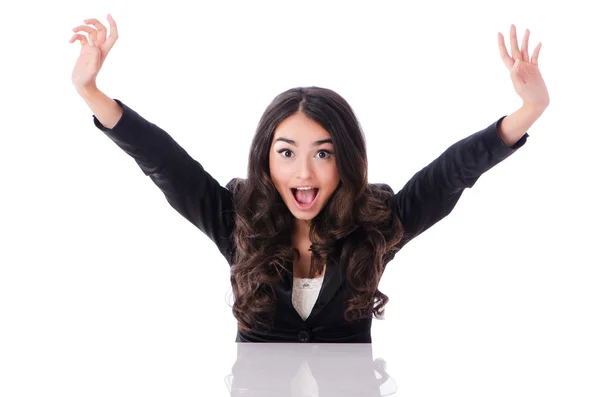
(427,197)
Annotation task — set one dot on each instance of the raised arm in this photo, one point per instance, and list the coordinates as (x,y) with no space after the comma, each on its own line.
(433,192)
(189,189)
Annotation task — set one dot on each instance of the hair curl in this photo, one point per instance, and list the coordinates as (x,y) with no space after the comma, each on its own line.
(356,225)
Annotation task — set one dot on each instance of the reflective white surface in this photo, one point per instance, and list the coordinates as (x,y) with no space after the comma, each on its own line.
(293,369)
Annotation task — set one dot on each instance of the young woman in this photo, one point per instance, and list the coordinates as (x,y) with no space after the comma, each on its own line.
(306,236)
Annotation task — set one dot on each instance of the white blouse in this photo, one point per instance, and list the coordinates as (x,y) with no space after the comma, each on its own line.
(305,293)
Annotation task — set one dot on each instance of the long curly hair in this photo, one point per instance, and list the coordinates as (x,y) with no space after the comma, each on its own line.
(356,226)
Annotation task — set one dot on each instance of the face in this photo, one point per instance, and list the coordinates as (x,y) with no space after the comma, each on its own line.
(302,165)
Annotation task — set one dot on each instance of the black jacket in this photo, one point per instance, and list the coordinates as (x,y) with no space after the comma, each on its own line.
(427,197)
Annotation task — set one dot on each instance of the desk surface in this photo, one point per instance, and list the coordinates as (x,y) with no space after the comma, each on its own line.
(294,369)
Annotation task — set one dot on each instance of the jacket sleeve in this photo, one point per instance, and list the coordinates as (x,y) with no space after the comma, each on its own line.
(432,193)
(188,188)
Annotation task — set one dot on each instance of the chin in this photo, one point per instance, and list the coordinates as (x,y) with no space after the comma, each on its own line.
(303,216)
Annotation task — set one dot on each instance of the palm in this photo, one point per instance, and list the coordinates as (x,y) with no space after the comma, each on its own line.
(529,84)
(87,66)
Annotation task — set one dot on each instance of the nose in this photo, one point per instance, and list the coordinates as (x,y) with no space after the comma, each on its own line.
(304,169)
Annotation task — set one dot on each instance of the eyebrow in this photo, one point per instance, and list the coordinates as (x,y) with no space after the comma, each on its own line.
(316,143)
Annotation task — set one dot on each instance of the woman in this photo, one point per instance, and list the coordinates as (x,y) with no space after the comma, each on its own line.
(306,236)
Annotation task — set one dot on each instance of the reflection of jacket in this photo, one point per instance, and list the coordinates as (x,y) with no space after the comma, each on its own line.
(295,369)
(427,197)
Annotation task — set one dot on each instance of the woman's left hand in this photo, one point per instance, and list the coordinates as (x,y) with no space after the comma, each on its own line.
(524,72)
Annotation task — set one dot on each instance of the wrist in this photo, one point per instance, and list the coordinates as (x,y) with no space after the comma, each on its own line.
(534,109)
(87,91)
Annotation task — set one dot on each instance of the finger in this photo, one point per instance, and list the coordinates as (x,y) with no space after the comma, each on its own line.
(91,31)
(514,46)
(508,61)
(101,29)
(79,37)
(524,46)
(114,33)
(536,53)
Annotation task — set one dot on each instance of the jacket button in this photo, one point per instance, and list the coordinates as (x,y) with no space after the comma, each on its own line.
(303,336)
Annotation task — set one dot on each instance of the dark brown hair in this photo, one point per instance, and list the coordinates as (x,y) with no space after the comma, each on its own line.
(356,225)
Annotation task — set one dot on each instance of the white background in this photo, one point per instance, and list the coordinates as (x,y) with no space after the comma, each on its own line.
(106,290)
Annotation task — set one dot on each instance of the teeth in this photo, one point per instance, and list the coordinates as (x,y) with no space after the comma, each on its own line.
(304,188)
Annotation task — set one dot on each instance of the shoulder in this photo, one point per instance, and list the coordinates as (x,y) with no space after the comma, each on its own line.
(381,190)
(234,184)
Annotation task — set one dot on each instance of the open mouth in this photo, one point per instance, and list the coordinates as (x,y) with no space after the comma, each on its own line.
(305,197)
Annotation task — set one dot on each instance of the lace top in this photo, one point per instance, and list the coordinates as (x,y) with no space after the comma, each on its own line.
(305,293)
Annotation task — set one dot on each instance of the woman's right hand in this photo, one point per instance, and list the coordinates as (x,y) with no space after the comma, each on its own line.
(93,51)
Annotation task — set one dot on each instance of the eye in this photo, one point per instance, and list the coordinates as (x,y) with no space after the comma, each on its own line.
(287,153)
(324,154)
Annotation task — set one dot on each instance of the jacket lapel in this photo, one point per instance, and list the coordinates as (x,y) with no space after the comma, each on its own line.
(332,281)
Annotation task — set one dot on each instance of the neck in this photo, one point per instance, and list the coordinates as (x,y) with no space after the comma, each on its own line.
(301,229)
